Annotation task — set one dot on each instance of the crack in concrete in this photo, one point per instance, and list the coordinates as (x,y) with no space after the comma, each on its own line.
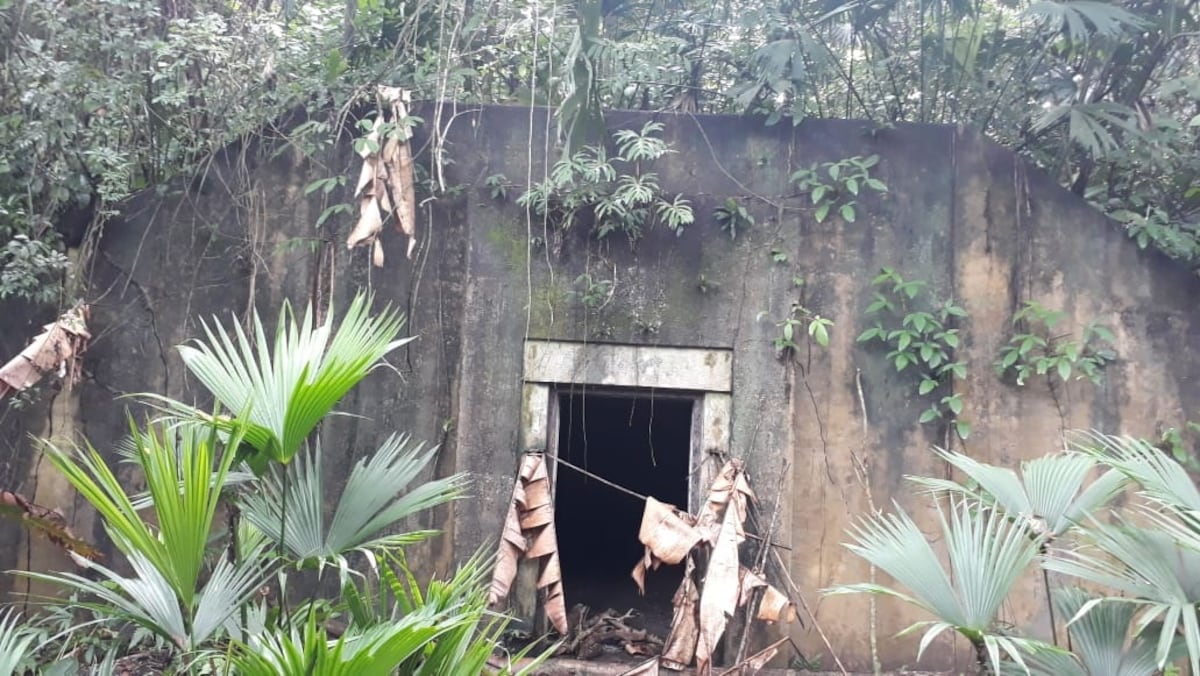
(150,310)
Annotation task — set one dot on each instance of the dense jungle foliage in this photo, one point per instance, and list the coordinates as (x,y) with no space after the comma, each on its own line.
(104,98)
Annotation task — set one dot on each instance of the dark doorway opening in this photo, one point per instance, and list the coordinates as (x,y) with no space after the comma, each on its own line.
(641,442)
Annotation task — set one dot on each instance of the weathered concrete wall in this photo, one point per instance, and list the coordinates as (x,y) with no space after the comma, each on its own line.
(962,214)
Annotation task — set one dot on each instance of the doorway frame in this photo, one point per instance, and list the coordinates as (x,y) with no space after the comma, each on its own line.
(702,374)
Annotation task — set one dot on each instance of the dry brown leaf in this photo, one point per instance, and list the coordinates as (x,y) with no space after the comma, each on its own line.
(529,533)
(722,587)
(680,646)
(49,522)
(512,548)
(666,533)
(370,211)
(668,537)
(750,581)
(377,254)
(398,158)
(729,486)
(385,185)
(775,606)
(58,348)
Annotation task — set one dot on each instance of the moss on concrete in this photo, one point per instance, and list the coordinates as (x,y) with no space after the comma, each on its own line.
(508,239)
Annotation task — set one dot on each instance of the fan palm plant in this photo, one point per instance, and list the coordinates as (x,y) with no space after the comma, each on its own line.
(279,392)
(398,627)
(1101,640)
(1157,568)
(987,554)
(1155,573)
(1049,495)
(184,470)
(1162,479)
(464,649)
(375,498)
(307,651)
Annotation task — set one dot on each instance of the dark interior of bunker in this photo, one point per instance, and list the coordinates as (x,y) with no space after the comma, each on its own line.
(641,442)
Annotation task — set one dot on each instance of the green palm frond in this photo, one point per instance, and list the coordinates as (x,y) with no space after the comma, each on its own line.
(987,554)
(148,599)
(1090,125)
(376,651)
(1163,480)
(280,392)
(184,469)
(1156,575)
(1081,19)
(1100,637)
(464,649)
(16,643)
(375,500)
(1049,493)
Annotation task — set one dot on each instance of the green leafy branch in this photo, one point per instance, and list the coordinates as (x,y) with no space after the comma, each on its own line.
(1037,350)
(924,340)
(837,185)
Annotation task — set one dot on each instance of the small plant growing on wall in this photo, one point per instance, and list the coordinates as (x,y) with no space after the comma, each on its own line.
(1038,348)
(834,187)
(592,292)
(1182,444)
(920,339)
(497,186)
(732,216)
(799,322)
(614,194)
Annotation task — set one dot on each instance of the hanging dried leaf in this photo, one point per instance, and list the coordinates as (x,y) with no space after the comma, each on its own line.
(397,158)
(57,349)
(702,611)
(722,589)
(729,486)
(680,647)
(385,185)
(749,582)
(49,522)
(776,606)
(370,184)
(529,533)
(668,535)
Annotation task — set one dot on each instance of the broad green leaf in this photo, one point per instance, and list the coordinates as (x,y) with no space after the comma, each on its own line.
(822,212)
